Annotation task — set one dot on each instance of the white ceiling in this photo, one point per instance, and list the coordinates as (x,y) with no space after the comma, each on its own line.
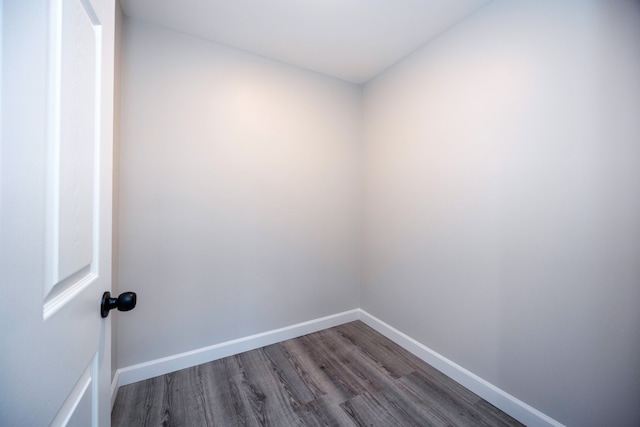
(349,39)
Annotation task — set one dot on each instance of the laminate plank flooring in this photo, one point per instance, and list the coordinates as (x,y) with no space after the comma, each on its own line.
(349,375)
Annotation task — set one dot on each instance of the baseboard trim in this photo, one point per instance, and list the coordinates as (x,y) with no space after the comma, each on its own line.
(154,368)
(492,394)
(489,392)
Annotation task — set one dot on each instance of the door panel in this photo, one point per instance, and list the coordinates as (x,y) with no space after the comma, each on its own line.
(74,70)
(55,211)
(79,408)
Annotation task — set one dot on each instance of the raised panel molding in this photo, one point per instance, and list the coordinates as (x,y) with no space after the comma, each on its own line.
(82,401)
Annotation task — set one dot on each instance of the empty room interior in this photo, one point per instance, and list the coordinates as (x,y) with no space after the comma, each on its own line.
(462,177)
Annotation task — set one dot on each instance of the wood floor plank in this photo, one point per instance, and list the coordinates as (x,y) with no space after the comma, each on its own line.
(361,374)
(324,369)
(493,416)
(438,384)
(290,376)
(221,392)
(374,410)
(415,406)
(308,367)
(349,375)
(456,405)
(325,412)
(141,404)
(390,356)
(185,405)
(271,401)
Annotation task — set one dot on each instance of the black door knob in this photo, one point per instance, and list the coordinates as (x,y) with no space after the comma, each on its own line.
(125,302)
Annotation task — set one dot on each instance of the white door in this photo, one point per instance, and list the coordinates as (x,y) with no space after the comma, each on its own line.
(55,211)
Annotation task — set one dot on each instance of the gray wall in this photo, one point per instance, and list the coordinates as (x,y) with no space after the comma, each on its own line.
(239,196)
(502,203)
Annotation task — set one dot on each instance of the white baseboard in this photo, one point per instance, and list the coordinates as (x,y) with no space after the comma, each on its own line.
(492,394)
(154,368)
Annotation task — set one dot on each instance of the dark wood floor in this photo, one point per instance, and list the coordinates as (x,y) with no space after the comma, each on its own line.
(349,375)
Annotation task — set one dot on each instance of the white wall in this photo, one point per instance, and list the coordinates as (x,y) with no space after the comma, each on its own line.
(239,197)
(501,198)
(502,203)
